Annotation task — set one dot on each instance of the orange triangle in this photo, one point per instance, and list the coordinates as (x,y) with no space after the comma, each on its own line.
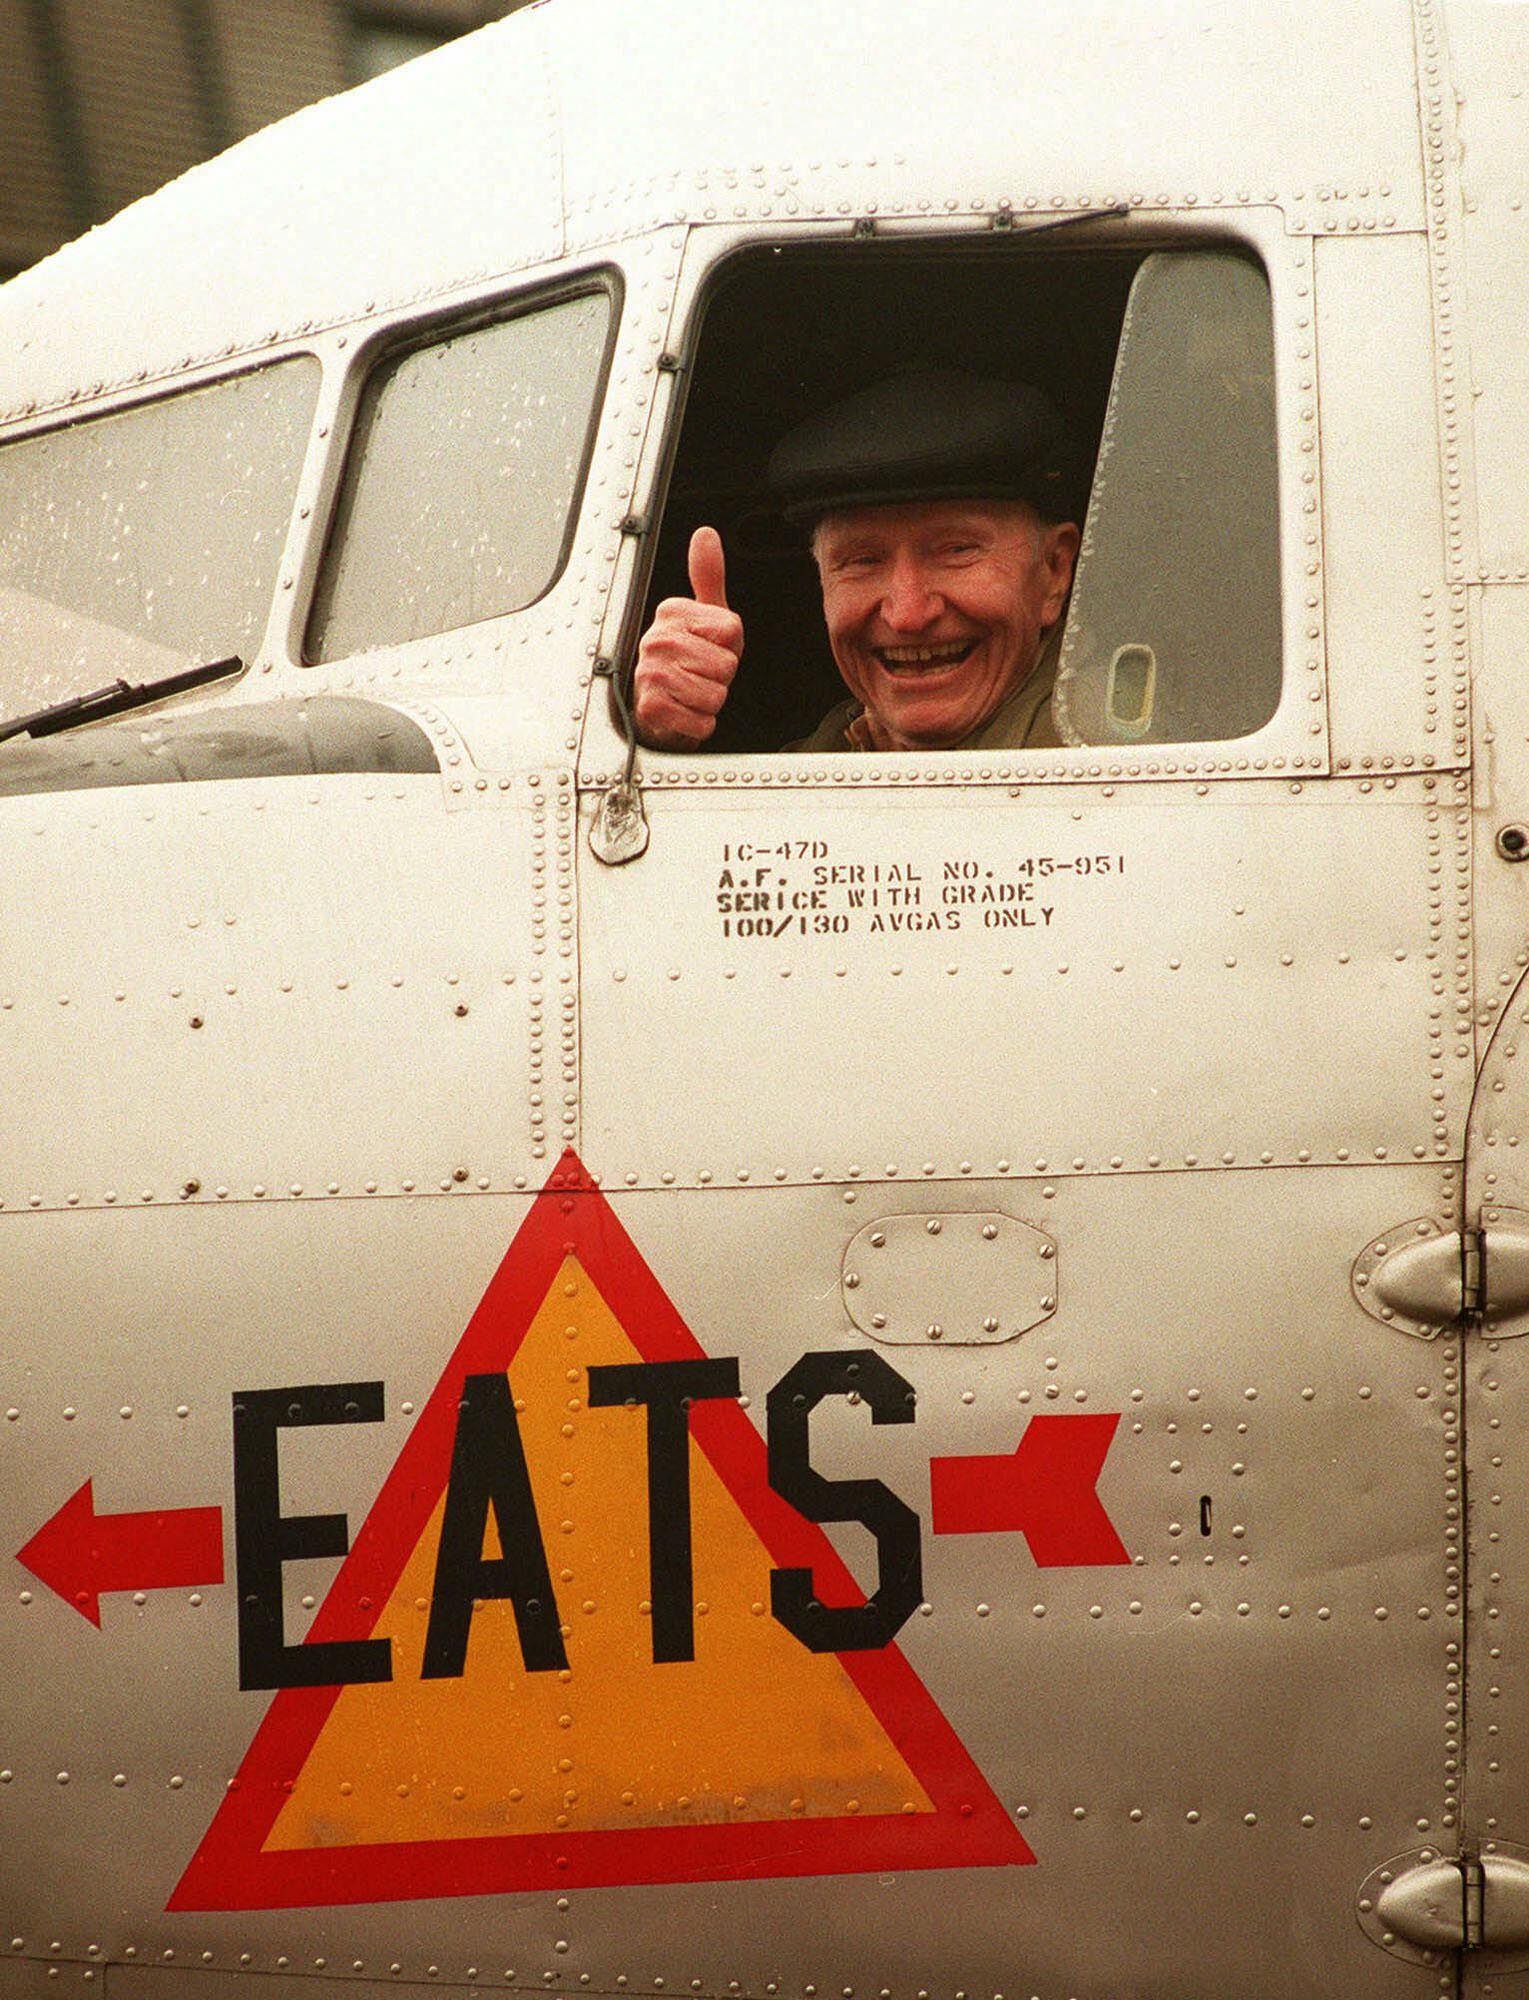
(756,1758)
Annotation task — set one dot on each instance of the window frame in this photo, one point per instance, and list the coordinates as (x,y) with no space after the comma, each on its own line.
(1295,742)
(396,342)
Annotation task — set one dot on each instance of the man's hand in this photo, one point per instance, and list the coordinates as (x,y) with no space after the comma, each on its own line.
(688,655)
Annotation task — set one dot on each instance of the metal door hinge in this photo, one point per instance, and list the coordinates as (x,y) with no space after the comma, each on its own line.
(1472,1900)
(1421,1278)
(1421,1906)
(1470,1271)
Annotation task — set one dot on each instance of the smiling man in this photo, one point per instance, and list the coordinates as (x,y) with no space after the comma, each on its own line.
(939,507)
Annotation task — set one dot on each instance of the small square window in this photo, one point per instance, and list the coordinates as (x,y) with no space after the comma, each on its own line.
(463,477)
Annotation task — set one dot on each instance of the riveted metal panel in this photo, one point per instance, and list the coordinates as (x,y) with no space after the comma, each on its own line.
(964,1279)
(314,1974)
(1247,1377)
(1243,1371)
(1497,1185)
(131,1382)
(1500,636)
(1398,663)
(1488,57)
(1497,1693)
(971,982)
(1437,108)
(24,1977)
(287,989)
(824,118)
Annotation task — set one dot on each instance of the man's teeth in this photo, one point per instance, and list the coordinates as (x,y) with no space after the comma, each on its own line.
(923,659)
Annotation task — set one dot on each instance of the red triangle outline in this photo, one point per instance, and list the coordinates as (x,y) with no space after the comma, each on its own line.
(230,1871)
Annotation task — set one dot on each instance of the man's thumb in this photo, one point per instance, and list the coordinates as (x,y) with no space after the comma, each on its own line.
(708,570)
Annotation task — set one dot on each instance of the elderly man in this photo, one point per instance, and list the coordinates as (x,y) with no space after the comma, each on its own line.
(938,505)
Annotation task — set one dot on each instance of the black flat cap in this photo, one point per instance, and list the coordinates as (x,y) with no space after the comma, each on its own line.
(928,434)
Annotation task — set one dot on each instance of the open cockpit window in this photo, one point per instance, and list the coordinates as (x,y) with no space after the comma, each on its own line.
(142,542)
(463,477)
(1159,365)
(1173,634)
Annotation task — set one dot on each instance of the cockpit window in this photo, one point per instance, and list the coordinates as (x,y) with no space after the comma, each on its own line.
(462,479)
(140,542)
(1173,635)
(1158,364)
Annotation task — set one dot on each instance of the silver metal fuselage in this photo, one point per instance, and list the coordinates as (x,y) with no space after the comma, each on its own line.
(290,1057)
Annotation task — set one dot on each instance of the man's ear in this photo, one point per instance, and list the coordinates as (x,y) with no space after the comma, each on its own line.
(1059,554)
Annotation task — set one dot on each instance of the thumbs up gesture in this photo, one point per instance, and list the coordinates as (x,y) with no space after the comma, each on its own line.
(688,655)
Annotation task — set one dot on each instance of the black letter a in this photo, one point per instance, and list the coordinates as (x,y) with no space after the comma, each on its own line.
(488,1469)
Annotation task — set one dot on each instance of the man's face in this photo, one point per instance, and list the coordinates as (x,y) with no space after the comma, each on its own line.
(936,609)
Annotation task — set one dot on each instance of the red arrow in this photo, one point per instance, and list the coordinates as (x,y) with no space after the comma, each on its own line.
(80,1553)
(1043,1490)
